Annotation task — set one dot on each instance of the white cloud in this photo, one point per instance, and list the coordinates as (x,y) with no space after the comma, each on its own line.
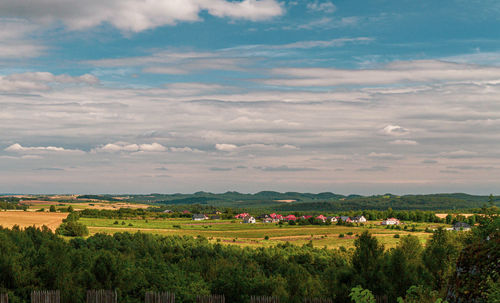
(423,71)
(325,7)
(404,142)
(33,81)
(126,147)
(136,15)
(394,130)
(15,40)
(225,147)
(18,148)
(457,154)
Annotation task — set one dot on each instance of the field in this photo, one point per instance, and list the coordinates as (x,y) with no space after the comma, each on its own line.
(253,235)
(35,205)
(25,219)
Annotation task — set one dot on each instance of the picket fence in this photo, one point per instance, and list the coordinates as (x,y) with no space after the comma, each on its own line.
(45,296)
(4,298)
(159,297)
(211,299)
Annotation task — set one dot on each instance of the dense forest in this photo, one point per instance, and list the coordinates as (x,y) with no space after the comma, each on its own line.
(135,263)
(308,201)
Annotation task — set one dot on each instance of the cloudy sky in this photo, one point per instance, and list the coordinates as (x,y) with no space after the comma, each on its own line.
(348,96)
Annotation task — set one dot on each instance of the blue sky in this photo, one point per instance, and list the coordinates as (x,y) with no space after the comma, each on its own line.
(180,96)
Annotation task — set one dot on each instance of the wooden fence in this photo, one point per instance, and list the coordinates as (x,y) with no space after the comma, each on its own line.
(45,296)
(255,299)
(211,299)
(102,296)
(381,299)
(4,298)
(317,300)
(159,297)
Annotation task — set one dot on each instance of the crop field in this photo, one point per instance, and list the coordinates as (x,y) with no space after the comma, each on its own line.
(25,219)
(255,235)
(35,205)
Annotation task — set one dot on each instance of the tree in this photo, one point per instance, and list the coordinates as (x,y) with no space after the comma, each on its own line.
(52,209)
(367,262)
(360,295)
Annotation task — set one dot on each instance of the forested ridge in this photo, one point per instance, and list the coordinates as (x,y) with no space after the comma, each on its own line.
(135,263)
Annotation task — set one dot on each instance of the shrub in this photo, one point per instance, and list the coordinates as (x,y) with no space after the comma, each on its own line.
(266,238)
(130,224)
(72,229)
(341,236)
(349,233)
(115,223)
(123,223)
(52,209)
(396,236)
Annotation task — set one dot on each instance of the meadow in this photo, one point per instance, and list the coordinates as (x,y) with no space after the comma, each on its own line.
(233,232)
(25,218)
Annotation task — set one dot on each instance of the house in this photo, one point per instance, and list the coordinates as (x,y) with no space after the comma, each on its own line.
(331,219)
(306,217)
(242,215)
(345,219)
(186,212)
(290,218)
(321,217)
(199,217)
(268,220)
(390,221)
(215,217)
(461,226)
(359,219)
(168,211)
(276,217)
(249,219)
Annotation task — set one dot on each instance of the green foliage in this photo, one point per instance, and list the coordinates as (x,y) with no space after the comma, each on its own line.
(360,295)
(72,229)
(52,209)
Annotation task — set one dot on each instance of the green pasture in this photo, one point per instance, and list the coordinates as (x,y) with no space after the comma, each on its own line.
(232,232)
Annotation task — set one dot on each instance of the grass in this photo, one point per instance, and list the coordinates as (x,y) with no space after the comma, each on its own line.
(254,235)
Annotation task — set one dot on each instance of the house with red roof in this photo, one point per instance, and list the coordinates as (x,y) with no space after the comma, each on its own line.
(321,217)
(242,215)
(290,218)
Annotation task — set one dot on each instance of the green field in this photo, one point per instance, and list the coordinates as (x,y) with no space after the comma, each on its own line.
(235,233)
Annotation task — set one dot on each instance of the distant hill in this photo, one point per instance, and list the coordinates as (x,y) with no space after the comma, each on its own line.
(296,201)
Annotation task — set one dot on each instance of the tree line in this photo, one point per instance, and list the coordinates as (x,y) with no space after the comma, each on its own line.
(135,263)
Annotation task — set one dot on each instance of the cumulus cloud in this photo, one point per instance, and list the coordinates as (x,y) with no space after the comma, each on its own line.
(376,168)
(126,147)
(394,130)
(225,147)
(457,154)
(18,148)
(136,15)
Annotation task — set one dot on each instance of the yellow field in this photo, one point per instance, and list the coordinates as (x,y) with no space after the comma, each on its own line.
(25,219)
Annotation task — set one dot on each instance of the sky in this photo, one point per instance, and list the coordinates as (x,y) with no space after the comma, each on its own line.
(346,96)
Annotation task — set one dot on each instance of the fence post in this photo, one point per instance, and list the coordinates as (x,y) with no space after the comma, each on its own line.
(45,296)
(4,298)
(102,296)
(317,300)
(255,299)
(211,299)
(159,297)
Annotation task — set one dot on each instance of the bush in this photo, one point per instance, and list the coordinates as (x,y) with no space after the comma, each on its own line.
(396,236)
(349,233)
(341,236)
(130,224)
(52,209)
(266,238)
(72,229)
(115,223)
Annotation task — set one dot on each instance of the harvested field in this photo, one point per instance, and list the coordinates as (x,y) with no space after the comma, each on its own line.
(443,216)
(25,219)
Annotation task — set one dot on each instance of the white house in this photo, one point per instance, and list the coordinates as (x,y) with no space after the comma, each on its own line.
(391,221)
(359,219)
(199,217)
(249,219)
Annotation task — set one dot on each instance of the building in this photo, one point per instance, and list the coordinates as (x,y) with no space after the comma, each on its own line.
(331,219)
(290,218)
(242,215)
(359,219)
(215,217)
(461,226)
(391,221)
(199,217)
(249,219)
(321,217)
(345,219)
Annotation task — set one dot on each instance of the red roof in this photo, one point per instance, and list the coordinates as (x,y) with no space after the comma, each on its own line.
(291,217)
(306,217)
(321,217)
(242,215)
